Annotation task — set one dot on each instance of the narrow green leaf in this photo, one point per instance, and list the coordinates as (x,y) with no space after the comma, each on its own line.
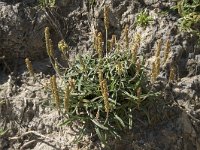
(129,95)
(80,136)
(100,136)
(99,125)
(120,120)
(72,119)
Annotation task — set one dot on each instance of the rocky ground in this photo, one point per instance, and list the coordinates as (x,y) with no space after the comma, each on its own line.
(27,119)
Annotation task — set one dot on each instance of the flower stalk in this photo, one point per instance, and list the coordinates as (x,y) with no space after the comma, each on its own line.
(126,30)
(29,67)
(105,96)
(99,45)
(47,37)
(166,52)
(66,98)
(55,92)
(106,24)
(158,48)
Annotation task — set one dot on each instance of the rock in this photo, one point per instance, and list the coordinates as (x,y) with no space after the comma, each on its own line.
(149,2)
(187,126)
(21,29)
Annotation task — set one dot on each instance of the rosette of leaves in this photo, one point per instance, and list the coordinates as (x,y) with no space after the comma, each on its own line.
(143,19)
(189,22)
(190,16)
(186,7)
(86,104)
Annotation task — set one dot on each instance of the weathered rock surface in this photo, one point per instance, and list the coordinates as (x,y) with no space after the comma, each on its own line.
(21,29)
(22,26)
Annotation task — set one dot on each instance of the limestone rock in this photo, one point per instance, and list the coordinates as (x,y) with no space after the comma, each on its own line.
(21,30)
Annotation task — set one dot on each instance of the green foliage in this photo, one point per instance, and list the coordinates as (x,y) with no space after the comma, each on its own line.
(143,19)
(47,3)
(188,22)
(185,7)
(86,103)
(101,95)
(190,16)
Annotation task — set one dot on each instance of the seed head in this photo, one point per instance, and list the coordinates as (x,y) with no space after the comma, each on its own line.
(158,48)
(100,73)
(96,40)
(135,47)
(100,48)
(66,98)
(105,96)
(166,52)
(47,37)
(29,67)
(137,38)
(157,66)
(113,42)
(106,17)
(51,50)
(126,30)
